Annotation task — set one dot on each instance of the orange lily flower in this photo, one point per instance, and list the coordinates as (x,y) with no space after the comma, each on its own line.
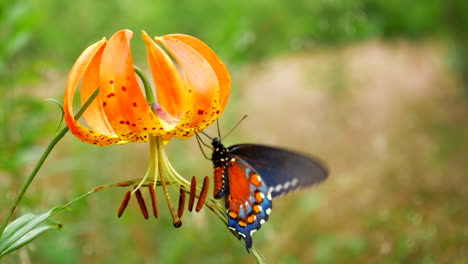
(188,100)
(192,90)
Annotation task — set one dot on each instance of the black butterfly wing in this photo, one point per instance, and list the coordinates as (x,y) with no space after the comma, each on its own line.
(283,170)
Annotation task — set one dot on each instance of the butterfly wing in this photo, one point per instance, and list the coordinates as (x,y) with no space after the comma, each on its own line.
(248,200)
(282,170)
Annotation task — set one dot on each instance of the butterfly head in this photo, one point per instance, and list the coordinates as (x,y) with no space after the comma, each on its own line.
(216,143)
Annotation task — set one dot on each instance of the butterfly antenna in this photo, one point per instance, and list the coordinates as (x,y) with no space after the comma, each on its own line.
(203,142)
(206,135)
(217,126)
(232,129)
(200,142)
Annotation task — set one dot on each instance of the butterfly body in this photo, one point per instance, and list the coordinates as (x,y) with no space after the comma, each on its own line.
(249,176)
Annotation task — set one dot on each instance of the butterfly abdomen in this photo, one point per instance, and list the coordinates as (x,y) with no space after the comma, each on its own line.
(219,188)
(220,160)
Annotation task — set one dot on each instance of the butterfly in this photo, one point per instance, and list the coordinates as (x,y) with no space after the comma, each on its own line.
(249,176)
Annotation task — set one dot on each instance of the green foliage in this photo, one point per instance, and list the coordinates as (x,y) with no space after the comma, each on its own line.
(16,24)
(241,31)
(25,229)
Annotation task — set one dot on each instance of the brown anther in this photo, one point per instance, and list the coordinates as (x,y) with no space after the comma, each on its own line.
(177,223)
(124,203)
(141,203)
(154,203)
(180,212)
(193,193)
(123,184)
(98,188)
(203,193)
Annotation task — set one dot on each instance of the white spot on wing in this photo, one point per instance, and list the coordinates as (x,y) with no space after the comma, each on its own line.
(268,211)
(262,221)
(294,182)
(278,188)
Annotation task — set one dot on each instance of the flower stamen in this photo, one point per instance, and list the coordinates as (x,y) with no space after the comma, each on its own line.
(176,220)
(124,203)
(203,194)
(193,190)
(154,204)
(141,203)
(180,212)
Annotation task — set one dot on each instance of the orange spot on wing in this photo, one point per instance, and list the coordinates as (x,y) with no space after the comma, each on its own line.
(233,214)
(257,208)
(259,196)
(251,219)
(255,179)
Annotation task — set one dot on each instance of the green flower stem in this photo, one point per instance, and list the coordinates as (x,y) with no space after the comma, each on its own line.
(148,91)
(41,161)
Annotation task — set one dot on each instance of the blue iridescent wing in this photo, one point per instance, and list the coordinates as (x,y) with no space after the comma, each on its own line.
(248,200)
(282,170)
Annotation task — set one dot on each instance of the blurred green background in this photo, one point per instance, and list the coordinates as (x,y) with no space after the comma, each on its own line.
(377,88)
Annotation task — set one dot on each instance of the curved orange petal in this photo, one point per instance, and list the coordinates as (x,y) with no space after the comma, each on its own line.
(221,72)
(203,87)
(89,56)
(94,115)
(170,87)
(125,105)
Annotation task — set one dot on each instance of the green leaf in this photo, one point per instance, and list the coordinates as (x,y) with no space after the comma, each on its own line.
(25,229)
